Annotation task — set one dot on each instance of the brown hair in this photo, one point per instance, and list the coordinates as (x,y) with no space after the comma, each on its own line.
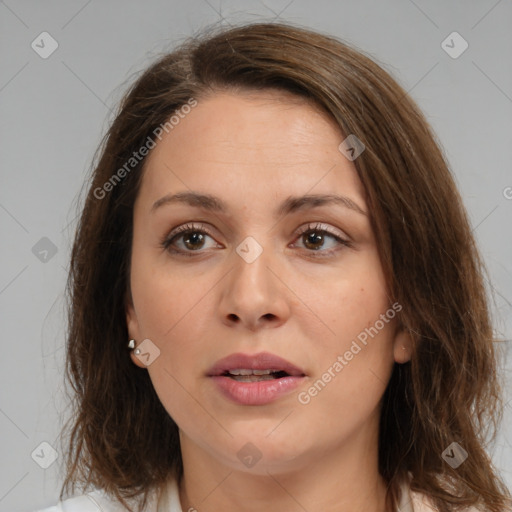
(447,393)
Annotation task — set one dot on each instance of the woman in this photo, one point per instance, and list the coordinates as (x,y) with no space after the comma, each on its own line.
(276,302)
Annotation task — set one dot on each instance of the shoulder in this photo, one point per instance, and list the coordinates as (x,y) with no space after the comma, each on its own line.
(423,503)
(416,501)
(95,501)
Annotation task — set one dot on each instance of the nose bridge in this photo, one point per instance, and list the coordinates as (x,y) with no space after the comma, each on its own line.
(253,292)
(251,273)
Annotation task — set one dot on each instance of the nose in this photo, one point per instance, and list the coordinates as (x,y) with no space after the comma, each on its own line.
(254,295)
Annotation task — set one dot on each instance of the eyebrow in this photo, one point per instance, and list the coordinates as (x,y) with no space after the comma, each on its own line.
(289,205)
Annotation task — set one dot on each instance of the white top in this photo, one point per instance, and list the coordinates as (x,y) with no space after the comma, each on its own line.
(97,501)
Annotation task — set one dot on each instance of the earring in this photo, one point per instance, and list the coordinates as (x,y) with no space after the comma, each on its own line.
(131,346)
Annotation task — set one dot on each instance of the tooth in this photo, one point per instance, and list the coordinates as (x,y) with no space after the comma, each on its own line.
(243,371)
(253,378)
(262,372)
(240,371)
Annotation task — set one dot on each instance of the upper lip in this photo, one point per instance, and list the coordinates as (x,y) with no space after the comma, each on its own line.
(260,361)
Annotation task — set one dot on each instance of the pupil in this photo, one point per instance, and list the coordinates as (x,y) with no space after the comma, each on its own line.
(314,238)
(196,239)
(192,239)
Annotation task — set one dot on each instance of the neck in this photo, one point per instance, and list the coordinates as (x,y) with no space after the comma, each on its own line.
(342,479)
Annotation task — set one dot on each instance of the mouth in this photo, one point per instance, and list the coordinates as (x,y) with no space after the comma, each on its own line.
(254,367)
(257,379)
(247,375)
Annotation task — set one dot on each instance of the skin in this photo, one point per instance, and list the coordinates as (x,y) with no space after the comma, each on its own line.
(253,150)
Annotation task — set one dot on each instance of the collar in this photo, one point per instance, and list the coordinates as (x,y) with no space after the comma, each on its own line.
(170,498)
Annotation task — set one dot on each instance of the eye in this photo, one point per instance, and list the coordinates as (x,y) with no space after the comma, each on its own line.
(192,239)
(189,239)
(315,235)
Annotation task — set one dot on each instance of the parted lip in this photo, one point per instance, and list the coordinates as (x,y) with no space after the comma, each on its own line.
(260,361)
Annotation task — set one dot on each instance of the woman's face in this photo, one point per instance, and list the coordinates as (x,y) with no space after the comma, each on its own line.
(264,270)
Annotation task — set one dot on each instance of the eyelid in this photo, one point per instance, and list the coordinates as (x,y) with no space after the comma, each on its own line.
(184,228)
(343,241)
(189,226)
(340,237)
(310,226)
(318,226)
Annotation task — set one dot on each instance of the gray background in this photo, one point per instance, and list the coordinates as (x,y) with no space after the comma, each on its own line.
(53,112)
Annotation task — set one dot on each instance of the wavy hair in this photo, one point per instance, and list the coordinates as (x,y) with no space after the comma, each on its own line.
(448,392)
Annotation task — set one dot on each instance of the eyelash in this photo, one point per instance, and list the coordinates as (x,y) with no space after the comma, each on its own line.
(167,242)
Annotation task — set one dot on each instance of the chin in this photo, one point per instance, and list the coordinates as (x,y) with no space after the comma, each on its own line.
(260,453)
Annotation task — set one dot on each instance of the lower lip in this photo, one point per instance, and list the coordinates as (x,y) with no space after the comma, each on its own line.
(256,393)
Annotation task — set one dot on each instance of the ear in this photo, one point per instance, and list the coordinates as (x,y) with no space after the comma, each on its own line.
(402,347)
(133,330)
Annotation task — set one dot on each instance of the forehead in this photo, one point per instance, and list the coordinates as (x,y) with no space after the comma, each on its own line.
(260,142)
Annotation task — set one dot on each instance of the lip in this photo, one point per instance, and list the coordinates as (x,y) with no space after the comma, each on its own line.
(255,393)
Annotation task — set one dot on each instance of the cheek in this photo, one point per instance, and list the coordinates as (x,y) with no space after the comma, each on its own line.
(345,302)
(356,322)
(172,313)
(164,299)
(349,384)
